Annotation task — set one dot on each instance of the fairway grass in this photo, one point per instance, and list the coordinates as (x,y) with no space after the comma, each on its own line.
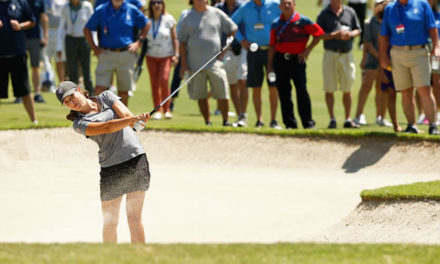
(419,191)
(218,253)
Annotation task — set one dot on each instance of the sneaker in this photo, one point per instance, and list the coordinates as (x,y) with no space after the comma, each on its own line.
(35,122)
(242,120)
(426,121)
(420,119)
(274,125)
(433,130)
(332,124)
(157,116)
(18,100)
(383,122)
(226,124)
(172,106)
(208,123)
(259,124)
(38,98)
(231,114)
(350,124)
(217,112)
(360,120)
(168,115)
(411,129)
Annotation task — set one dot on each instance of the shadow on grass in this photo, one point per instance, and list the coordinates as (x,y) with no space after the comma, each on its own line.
(366,155)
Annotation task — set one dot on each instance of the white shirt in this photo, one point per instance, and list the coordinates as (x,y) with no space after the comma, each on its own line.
(72,22)
(161,46)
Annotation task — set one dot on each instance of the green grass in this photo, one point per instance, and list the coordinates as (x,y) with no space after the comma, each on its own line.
(218,253)
(414,192)
(187,116)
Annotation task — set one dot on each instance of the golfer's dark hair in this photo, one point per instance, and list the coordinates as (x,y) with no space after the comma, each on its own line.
(74,114)
(150,8)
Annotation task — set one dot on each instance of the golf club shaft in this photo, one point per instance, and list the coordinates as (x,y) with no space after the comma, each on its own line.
(228,43)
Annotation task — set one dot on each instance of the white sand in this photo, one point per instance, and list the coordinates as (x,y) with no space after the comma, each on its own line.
(210,187)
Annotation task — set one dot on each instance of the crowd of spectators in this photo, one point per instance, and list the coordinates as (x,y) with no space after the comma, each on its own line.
(272,42)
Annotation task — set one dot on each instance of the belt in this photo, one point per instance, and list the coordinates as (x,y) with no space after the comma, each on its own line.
(287,56)
(263,47)
(408,47)
(115,50)
(339,50)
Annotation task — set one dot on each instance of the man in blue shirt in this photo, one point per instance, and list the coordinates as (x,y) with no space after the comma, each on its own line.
(116,23)
(258,15)
(406,26)
(15,17)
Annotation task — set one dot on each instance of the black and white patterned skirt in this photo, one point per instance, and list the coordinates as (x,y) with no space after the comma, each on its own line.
(130,176)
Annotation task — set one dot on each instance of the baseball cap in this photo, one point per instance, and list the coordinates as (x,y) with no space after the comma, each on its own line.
(65,89)
(379,1)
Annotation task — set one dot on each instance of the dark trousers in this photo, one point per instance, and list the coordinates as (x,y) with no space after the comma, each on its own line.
(360,10)
(78,52)
(287,70)
(176,80)
(17,67)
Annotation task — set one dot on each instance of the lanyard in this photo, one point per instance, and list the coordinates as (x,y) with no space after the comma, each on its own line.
(73,16)
(285,25)
(156,28)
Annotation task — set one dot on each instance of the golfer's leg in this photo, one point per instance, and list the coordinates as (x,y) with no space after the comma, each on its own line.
(135,203)
(110,215)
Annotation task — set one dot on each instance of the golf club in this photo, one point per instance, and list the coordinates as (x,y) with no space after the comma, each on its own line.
(141,124)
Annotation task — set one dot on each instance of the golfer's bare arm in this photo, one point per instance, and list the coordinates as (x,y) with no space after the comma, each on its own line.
(121,110)
(126,118)
(94,129)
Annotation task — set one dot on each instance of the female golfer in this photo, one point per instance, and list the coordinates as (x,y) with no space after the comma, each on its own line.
(124,166)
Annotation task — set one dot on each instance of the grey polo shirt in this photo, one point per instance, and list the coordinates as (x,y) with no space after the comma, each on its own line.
(116,147)
(329,22)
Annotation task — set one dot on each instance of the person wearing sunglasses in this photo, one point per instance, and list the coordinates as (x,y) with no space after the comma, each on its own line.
(162,53)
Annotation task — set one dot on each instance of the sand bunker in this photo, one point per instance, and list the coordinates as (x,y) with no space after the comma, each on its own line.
(215,188)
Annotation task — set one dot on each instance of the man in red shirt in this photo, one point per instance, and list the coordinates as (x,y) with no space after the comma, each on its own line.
(288,52)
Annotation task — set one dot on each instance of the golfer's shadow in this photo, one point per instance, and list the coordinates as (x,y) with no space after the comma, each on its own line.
(366,155)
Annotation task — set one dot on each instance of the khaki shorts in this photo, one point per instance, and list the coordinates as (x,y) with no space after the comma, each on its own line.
(235,66)
(122,63)
(338,68)
(411,68)
(218,81)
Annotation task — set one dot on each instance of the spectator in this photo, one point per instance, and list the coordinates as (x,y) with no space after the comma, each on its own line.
(162,53)
(340,25)
(74,16)
(200,39)
(257,15)
(288,53)
(16,16)
(371,72)
(118,44)
(406,25)
(236,67)
(124,164)
(360,7)
(53,11)
(35,41)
